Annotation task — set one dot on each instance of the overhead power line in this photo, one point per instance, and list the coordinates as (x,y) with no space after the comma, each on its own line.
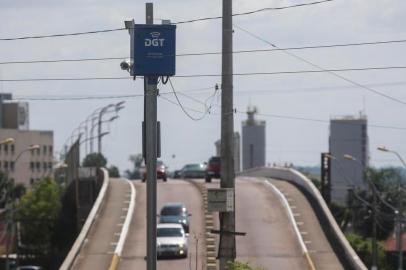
(289,117)
(179,22)
(40,61)
(214,75)
(63,35)
(332,72)
(254,11)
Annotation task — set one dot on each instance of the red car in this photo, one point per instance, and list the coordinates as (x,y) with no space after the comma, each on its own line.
(213,169)
(160,172)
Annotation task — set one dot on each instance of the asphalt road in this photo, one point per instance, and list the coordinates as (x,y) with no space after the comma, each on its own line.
(172,191)
(270,241)
(315,240)
(98,249)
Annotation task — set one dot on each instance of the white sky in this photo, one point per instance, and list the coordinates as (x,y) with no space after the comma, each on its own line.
(318,96)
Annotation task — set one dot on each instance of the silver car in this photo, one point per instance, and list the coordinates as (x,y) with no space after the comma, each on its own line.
(171,240)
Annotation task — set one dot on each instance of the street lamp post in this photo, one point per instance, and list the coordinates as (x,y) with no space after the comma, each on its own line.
(374,203)
(399,242)
(10,223)
(117,107)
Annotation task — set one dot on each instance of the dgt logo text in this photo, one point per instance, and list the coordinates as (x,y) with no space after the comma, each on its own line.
(154,41)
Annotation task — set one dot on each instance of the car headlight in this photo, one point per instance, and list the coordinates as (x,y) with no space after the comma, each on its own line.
(181,245)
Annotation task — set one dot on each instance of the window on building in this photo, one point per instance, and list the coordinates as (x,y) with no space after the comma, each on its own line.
(12,166)
(44,149)
(12,149)
(31,181)
(38,165)
(50,165)
(38,151)
(50,150)
(6,165)
(44,166)
(5,146)
(32,166)
(0,164)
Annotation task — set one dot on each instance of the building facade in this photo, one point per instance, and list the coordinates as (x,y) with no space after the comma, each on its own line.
(348,136)
(22,165)
(253,141)
(25,167)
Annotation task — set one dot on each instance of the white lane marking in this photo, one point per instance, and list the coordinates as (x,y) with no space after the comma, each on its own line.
(126,225)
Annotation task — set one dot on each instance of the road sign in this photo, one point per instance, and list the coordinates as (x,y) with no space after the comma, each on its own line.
(154,50)
(220,199)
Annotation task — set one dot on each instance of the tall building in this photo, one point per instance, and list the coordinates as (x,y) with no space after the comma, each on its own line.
(348,135)
(237,152)
(23,166)
(253,141)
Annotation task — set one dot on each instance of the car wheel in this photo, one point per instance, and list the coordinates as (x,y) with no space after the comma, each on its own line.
(143,180)
(208,179)
(165,179)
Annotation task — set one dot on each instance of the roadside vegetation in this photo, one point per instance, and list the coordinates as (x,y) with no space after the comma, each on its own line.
(356,219)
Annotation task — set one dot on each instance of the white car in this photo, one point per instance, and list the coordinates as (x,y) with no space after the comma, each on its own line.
(171,240)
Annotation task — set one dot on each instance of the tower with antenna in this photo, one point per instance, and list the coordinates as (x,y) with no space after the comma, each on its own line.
(253,140)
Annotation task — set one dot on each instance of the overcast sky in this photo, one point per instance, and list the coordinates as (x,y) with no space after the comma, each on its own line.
(311,96)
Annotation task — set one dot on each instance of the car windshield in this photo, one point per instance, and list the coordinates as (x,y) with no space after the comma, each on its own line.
(169,232)
(214,160)
(159,163)
(171,211)
(193,167)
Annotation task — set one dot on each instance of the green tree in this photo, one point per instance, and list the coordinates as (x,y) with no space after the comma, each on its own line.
(36,212)
(113,171)
(241,266)
(386,181)
(94,160)
(363,248)
(136,160)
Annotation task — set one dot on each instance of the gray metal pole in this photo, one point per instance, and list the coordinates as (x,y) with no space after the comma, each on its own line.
(374,242)
(151,155)
(99,131)
(227,219)
(398,224)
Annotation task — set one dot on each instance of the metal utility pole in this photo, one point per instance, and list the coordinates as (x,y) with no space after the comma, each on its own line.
(227,251)
(399,242)
(374,242)
(151,154)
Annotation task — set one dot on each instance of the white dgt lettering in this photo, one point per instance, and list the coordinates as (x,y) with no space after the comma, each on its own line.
(156,42)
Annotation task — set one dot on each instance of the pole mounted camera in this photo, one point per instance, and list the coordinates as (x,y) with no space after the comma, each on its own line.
(126,65)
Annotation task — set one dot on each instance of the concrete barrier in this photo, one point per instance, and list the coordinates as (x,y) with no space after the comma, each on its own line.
(74,251)
(346,254)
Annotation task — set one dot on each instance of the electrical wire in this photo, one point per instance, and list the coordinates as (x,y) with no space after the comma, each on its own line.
(206,53)
(179,22)
(319,120)
(254,11)
(206,111)
(234,74)
(332,72)
(63,35)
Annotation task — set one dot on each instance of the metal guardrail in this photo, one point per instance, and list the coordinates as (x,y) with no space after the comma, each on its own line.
(74,251)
